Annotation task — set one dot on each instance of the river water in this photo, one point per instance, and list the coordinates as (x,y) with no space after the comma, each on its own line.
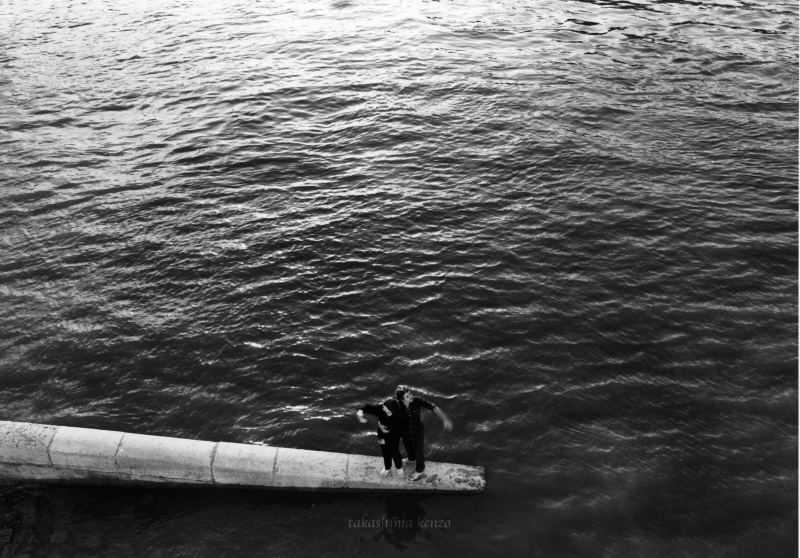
(571,224)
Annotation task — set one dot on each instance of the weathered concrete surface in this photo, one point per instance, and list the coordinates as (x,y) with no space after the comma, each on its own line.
(310,469)
(148,457)
(244,465)
(82,448)
(364,473)
(450,476)
(33,452)
(25,443)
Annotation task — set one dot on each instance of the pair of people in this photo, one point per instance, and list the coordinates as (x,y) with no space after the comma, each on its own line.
(399,418)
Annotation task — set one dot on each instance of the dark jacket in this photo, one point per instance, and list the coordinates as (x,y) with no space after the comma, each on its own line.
(412,422)
(394,422)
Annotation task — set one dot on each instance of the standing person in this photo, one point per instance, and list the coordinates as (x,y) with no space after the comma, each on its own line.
(414,430)
(390,427)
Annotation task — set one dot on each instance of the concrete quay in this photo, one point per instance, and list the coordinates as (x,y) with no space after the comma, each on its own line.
(63,454)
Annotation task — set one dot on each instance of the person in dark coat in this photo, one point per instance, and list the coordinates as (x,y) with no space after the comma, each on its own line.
(390,427)
(413,433)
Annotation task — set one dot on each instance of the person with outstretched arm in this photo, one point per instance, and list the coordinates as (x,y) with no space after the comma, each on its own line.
(390,427)
(413,430)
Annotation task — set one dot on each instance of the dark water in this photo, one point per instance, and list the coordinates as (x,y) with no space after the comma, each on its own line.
(572,224)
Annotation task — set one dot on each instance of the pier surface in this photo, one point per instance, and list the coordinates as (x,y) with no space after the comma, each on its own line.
(63,454)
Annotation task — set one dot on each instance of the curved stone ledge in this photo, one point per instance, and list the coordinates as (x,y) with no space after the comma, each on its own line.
(243,464)
(26,443)
(148,457)
(63,454)
(82,448)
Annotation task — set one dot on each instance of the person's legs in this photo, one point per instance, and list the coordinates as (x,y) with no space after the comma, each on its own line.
(408,443)
(386,450)
(419,443)
(393,446)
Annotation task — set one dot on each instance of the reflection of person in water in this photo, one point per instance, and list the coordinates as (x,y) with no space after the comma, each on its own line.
(390,425)
(401,521)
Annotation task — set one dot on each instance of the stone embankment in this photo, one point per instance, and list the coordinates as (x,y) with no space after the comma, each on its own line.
(63,454)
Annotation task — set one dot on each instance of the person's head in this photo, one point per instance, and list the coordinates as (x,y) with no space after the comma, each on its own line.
(404,394)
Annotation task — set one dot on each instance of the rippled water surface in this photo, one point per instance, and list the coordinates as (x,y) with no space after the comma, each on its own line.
(572,224)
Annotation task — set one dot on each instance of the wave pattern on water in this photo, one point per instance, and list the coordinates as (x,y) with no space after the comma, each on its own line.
(573,224)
